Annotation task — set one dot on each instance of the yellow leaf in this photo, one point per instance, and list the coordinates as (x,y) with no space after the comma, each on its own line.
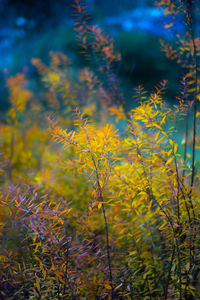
(132,253)
(169,160)
(171,142)
(37,284)
(44,273)
(169,152)
(157,135)
(188,266)
(162,138)
(108,286)
(99,205)
(175,148)
(157,126)
(165,134)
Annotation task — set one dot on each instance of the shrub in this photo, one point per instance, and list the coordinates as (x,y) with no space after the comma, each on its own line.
(116,214)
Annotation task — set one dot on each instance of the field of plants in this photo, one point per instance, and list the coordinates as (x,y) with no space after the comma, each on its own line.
(99,201)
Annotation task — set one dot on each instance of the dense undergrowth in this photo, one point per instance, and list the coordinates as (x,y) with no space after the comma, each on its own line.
(104,213)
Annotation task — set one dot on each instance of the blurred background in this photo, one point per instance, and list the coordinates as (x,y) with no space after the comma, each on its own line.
(33,28)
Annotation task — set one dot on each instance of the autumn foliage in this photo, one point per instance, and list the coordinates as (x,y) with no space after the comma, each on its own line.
(98,202)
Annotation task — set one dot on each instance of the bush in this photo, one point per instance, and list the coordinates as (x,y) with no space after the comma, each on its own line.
(116,214)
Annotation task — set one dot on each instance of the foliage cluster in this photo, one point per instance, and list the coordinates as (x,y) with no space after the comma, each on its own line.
(116,214)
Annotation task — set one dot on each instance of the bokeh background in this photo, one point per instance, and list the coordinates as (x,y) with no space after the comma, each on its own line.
(33,28)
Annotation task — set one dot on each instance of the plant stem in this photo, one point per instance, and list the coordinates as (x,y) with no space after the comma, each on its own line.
(11,157)
(189,20)
(104,213)
(169,273)
(186,140)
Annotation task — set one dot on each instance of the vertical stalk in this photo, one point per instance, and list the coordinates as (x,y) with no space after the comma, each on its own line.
(11,157)
(106,228)
(190,22)
(194,114)
(186,140)
(179,268)
(104,214)
(108,247)
(169,274)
